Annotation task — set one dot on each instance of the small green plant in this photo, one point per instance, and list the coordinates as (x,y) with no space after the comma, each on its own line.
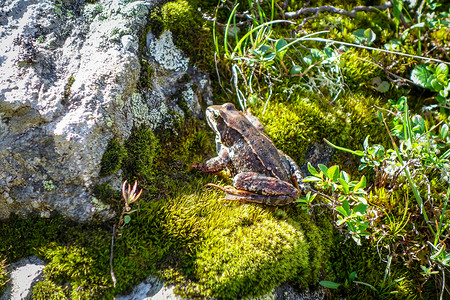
(414,159)
(435,78)
(48,185)
(129,197)
(348,198)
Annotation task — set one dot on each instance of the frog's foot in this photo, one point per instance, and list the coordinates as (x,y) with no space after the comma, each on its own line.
(233,194)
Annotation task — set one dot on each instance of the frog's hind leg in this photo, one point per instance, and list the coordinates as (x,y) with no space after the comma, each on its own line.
(267,186)
(233,194)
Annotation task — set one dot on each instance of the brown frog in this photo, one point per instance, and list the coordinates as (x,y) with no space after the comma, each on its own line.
(262,173)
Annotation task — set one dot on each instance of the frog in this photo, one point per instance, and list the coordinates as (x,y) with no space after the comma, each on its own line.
(261,172)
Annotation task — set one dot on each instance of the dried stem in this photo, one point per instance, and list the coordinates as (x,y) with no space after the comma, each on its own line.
(113,277)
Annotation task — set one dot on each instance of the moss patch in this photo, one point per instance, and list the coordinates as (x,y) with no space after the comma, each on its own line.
(3,274)
(296,123)
(48,290)
(112,158)
(192,34)
(226,250)
(142,147)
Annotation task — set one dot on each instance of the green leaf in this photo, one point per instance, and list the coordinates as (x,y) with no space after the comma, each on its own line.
(269,57)
(311,179)
(360,208)
(344,185)
(312,170)
(308,60)
(345,176)
(346,206)
(383,87)
(357,239)
(436,85)
(127,219)
(366,142)
(296,70)
(280,44)
(329,284)
(361,199)
(365,36)
(444,131)
(324,169)
(442,69)
(328,52)
(397,10)
(340,220)
(343,212)
(317,54)
(440,99)
(420,75)
(352,276)
(333,172)
(264,49)
(361,184)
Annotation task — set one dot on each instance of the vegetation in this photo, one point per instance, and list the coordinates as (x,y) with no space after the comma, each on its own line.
(374,84)
(3,274)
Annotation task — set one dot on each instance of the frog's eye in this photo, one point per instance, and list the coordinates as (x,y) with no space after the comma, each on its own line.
(216,114)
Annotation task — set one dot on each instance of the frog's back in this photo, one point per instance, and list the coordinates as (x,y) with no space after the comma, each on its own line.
(258,153)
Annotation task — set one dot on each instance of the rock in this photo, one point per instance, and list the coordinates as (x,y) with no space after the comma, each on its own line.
(150,288)
(69,73)
(24,274)
(153,288)
(317,153)
(286,291)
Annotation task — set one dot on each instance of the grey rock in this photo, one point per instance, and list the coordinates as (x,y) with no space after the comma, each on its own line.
(150,289)
(317,153)
(287,292)
(154,289)
(23,275)
(69,73)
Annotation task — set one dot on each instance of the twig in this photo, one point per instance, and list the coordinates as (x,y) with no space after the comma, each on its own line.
(332,9)
(323,195)
(113,277)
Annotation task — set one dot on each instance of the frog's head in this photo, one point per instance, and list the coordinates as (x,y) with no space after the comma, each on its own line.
(221,118)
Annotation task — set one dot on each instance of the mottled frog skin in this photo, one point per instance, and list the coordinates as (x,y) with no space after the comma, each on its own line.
(262,173)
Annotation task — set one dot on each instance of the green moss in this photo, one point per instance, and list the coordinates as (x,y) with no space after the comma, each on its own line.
(192,34)
(142,147)
(47,290)
(113,157)
(3,274)
(357,70)
(178,16)
(225,250)
(67,88)
(295,124)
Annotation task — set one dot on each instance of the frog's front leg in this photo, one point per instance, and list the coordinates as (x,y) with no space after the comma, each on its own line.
(297,176)
(214,164)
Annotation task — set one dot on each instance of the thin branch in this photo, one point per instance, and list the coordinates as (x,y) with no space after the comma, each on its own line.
(113,277)
(332,9)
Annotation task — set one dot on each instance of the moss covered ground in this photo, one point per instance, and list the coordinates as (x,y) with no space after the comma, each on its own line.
(184,234)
